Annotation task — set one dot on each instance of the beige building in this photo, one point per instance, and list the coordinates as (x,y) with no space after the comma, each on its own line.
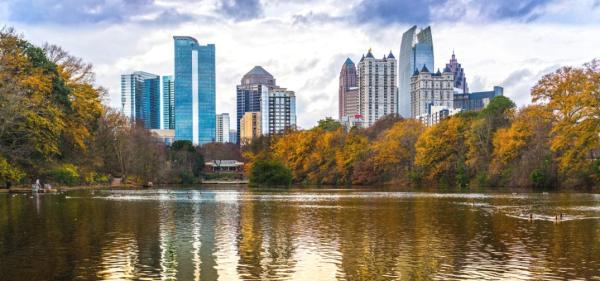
(428,90)
(250,127)
(377,90)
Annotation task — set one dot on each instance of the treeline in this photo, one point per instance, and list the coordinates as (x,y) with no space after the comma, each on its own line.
(54,127)
(553,143)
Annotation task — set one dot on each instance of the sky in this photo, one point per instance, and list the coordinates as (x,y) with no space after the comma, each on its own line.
(303,43)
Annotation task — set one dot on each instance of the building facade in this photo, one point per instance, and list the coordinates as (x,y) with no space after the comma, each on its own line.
(416,51)
(233,136)
(278,111)
(140,98)
(252,86)
(431,89)
(348,90)
(222,128)
(460,80)
(377,89)
(168,102)
(250,127)
(194,91)
(477,100)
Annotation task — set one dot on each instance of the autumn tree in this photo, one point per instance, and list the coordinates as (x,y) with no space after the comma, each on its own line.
(394,152)
(522,156)
(573,96)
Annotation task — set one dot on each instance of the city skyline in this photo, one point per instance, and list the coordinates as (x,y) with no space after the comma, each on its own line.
(498,43)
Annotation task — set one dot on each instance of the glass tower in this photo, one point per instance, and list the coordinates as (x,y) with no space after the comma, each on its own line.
(168,97)
(195,116)
(416,51)
(140,98)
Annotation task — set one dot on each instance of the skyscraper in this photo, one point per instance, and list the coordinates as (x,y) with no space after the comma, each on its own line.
(348,90)
(416,51)
(460,81)
(431,90)
(222,127)
(377,89)
(140,98)
(252,86)
(277,111)
(194,90)
(168,98)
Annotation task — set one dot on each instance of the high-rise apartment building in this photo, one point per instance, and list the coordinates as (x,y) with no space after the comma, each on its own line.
(416,51)
(431,89)
(377,89)
(140,98)
(460,80)
(252,86)
(194,91)
(250,127)
(278,111)
(168,105)
(348,90)
(222,127)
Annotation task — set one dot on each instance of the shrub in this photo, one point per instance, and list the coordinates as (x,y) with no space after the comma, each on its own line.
(270,173)
(64,174)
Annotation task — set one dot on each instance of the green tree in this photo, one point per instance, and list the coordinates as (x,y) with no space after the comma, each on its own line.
(270,173)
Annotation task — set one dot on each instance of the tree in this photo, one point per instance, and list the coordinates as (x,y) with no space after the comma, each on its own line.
(329,124)
(521,154)
(440,152)
(573,96)
(394,153)
(270,173)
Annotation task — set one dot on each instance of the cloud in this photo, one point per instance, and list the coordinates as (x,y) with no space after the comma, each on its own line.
(70,12)
(425,12)
(241,10)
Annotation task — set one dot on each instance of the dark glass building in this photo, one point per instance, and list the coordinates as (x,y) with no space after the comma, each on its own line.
(195,110)
(460,80)
(253,84)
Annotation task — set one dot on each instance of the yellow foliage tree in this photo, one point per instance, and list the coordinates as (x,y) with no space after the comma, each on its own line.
(573,95)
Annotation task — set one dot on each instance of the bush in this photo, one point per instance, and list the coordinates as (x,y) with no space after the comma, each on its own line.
(270,173)
(64,174)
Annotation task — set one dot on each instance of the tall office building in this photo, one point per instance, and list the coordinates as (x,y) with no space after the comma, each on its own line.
(168,105)
(460,80)
(140,98)
(222,127)
(416,51)
(278,111)
(250,127)
(348,90)
(377,89)
(253,85)
(194,91)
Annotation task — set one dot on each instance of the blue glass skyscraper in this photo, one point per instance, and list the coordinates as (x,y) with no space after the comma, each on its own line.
(416,51)
(168,102)
(195,109)
(140,98)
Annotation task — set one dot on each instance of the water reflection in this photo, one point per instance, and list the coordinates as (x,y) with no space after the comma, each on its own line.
(304,235)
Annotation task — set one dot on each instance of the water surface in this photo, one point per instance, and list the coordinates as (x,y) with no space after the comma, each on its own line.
(310,234)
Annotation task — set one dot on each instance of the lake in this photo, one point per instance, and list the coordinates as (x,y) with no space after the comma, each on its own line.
(302,234)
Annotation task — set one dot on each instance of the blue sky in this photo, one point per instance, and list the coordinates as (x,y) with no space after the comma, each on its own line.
(303,43)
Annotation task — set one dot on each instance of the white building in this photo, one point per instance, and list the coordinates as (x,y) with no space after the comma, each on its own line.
(222,129)
(278,111)
(431,89)
(377,90)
